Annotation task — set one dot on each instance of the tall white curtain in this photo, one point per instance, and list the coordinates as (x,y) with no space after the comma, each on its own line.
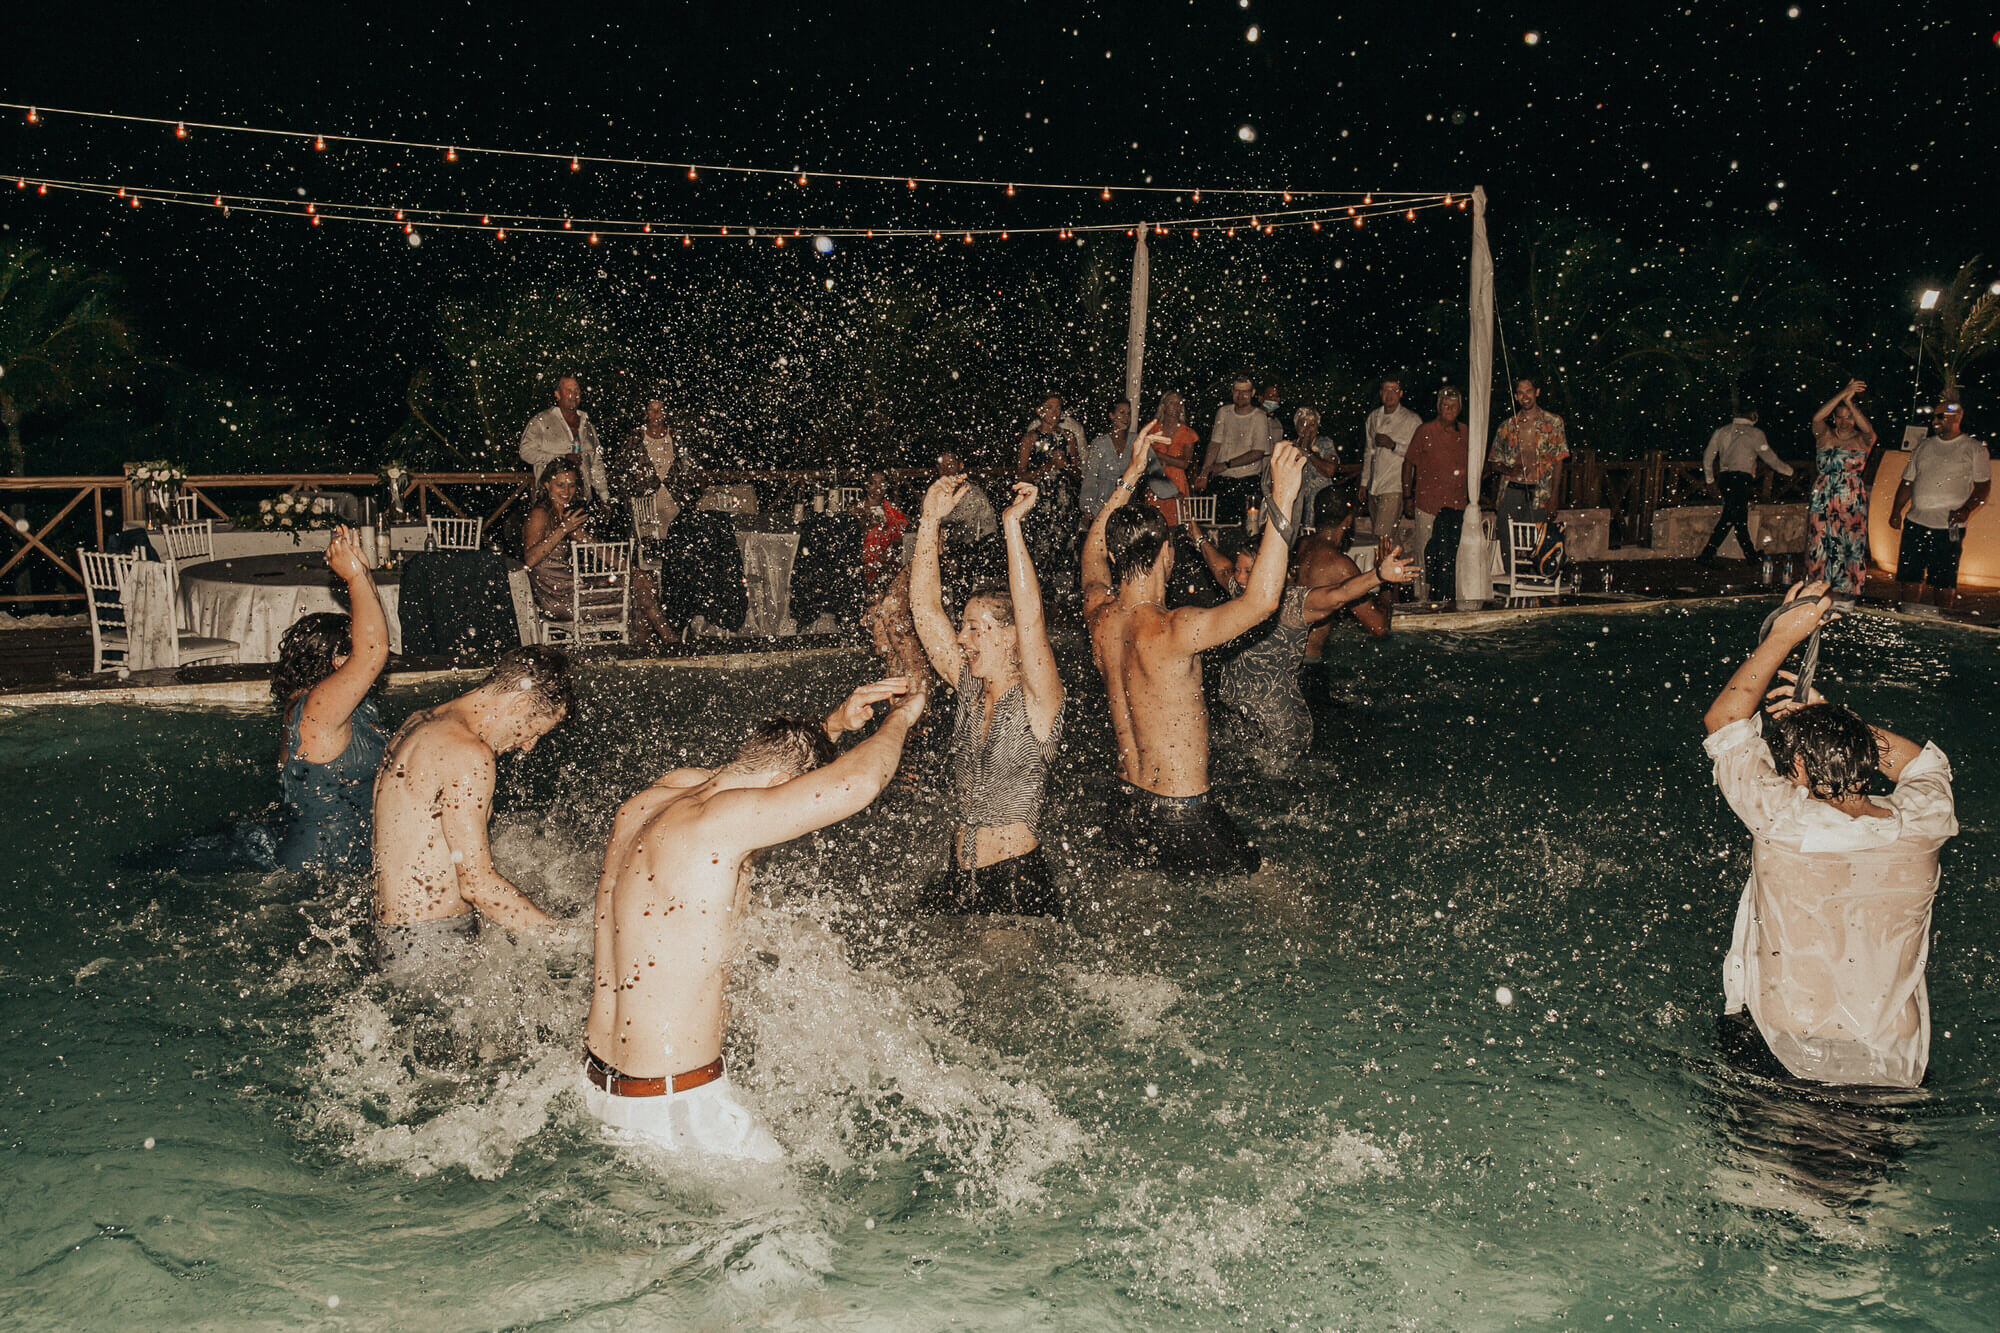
(1475,579)
(1135,327)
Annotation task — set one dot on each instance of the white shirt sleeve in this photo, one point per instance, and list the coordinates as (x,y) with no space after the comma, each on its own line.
(1747,778)
(1923,796)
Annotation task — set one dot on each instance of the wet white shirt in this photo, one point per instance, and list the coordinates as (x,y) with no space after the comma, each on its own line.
(1942,474)
(1833,930)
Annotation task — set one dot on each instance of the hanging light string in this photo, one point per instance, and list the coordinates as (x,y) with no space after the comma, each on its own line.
(408,217)
(576,161)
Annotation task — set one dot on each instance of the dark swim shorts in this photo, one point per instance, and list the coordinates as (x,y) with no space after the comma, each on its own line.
(1190,833)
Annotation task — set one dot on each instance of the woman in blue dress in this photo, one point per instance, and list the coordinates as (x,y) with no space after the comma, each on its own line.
(333,736)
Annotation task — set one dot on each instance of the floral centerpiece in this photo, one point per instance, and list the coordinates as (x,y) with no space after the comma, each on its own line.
(159,481)
(394,474)
(296,514)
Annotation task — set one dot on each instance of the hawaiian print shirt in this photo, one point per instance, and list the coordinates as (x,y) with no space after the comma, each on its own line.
(1533,443)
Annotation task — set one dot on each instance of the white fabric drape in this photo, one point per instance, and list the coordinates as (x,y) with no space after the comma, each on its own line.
(1135,326)
(1475,578)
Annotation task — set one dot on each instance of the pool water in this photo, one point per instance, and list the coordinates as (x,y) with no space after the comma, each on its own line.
(1293,1100)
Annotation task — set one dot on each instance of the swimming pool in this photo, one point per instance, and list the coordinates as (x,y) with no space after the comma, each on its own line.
(1287,1101)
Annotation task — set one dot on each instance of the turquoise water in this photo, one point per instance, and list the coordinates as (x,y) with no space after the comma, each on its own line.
(1288,1101)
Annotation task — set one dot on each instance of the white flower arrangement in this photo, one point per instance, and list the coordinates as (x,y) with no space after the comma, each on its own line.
(291,512)
(393,472)
(158,472)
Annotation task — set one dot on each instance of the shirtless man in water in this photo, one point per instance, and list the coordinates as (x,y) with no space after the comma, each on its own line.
(676,880)
(1151,661)
(434,873)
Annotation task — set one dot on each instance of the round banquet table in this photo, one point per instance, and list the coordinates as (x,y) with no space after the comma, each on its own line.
(255,599)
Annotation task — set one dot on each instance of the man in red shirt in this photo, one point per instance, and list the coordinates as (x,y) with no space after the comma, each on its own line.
(1434,493)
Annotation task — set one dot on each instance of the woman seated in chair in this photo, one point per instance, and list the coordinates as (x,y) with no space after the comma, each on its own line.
(333,738)
(555,520)
(1009,720)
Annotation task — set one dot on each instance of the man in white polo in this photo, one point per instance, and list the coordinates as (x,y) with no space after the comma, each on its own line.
(1947,477)
(1238,443)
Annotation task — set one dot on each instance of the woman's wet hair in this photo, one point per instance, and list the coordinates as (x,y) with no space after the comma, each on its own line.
(306,653)
(789,745)
(1133,536)
(1839,751)
(995,596)
(538,670)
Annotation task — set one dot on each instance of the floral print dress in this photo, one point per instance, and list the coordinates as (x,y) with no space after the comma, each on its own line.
(1837,547)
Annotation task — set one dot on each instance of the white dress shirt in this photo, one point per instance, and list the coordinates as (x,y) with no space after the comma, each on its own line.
(1382,469)
(548,437)
(1833,929)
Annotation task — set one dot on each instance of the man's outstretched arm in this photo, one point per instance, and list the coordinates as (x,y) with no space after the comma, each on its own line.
(1806,607)
(757,817)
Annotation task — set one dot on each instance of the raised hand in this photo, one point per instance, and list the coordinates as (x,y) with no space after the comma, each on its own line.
(913,703)
(859,708)
(1150,435)
(1025,494)
(944,495)
(1288,465)
(1807,606)
(1853,387)
(1783,699)
(1392,566)
(343,555)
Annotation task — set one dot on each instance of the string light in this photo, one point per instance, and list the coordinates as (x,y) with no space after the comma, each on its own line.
(802,178)
(1010,192)
(1105,195)
(180,131)
(35,114)
(451,155)
(593,238)
(603,228)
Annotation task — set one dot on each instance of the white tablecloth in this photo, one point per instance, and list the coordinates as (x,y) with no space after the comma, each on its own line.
(767,579)
(255,599)
(148,604)
(232,543)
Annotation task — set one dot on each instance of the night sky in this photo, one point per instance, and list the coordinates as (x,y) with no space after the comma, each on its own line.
(1859,133)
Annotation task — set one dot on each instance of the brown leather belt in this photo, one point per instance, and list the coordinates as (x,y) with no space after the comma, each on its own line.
(623,1085)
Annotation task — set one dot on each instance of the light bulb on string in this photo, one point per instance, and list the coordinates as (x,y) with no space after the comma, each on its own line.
(912,182)
(218,201)
(1010,192)
(315,219)
(1105,195)
(1315,224)
(312,208)
(500,235)
(34,116)
(691,174)
(1197,196)
(1409,215)
(648,229)
(451,155)
(566,224)
(399,215)
(1286,196)
(575,164)
(968,238)
(319,143)
(485,219)
(20,182)
(1231,231)
(802,178)
(1003,235)
(687,240)
(1358,221)
(778,241)
(593,238)
(121,192)
(181,130)
(408,228)
(1367,198)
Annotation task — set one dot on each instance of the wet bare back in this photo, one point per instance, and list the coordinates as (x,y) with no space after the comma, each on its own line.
(433,798)
(1157,709)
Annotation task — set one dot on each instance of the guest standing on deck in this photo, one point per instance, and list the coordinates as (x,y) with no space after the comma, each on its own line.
(1388,431)
(1435,494)
(1730,464)
(1104,460)
(1527,458)
(1009,722)
(565,430)
(327,665)
(557,520)
(1837,544)
(1948,476)
(1239,443)
(1150,658)
(1170,460)
(1834,925)
(1048,456)
(434,874)
(675,884)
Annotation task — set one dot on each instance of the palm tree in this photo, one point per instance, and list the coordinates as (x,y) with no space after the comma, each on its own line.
(1965,327)
(59,338)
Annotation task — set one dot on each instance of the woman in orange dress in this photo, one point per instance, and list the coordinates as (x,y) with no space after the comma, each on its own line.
(1174,456)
